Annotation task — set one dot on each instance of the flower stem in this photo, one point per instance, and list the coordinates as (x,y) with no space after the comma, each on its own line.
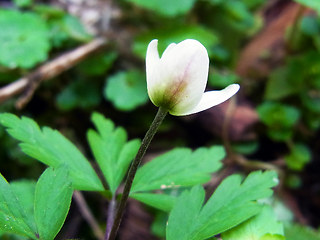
(132,171)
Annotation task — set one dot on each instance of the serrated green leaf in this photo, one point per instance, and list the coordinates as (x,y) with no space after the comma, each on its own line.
(232,203)
(257,227)
(52,201)
(163,202)
(20,33)
(13,217)
(111,149)
(126,90)
(299,232)
(175,34)
(179,167)
(166,7)
(53,149)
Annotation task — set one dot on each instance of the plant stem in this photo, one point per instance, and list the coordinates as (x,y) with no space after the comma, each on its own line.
(132,171)
(87,215)
(111,212)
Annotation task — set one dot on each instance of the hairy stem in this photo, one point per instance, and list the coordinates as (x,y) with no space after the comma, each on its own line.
(133,169)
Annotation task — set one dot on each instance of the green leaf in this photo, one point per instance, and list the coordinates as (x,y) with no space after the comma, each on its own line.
(232,203)
(179,167)
(13,217)
(167,8)
(111,149)
(98,64)
(222,79)
(52,201)
(126,90)
(74,28)
(184,214)
(79,93)
(158,227)
(53,149)
(163,202)
(279,85)
(173,33)
(299,156)
(256,228)
(299,232)
(23,3)
(309,25)
(279,118)
(20,33)
(24,191)
(314,4)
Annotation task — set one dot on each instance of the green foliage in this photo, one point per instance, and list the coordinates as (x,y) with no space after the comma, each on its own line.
(23,3)
(24,191)
(232,203)
(260,227)
(13,217)
(20,33)
(279,118)
(63,27)
(174,33)
(74,28)
(52,201)
(222,79)
(98,64)
(298,232)
(36,211)
(163,202)
(126,90)
(111,149)
(299,77)
(179,167)
(79,94)
(298,157)
(166,8)
(52,148)
(314,4)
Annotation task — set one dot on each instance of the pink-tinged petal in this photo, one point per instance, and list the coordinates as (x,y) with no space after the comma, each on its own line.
(211,98)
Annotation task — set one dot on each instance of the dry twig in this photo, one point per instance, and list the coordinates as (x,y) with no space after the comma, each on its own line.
(49,70)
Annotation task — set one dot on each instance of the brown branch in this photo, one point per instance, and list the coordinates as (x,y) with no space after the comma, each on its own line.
(49,70)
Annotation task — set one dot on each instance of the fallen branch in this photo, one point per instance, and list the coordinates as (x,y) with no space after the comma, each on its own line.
(49,70)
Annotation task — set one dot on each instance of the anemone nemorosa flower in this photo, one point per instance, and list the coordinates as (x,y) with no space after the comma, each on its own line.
(177,80)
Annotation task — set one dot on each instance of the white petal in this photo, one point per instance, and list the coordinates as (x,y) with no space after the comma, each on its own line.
(186,64)
(168,49)
(152,62)
(212,98)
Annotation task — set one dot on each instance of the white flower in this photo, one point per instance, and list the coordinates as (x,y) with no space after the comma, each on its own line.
(177,80)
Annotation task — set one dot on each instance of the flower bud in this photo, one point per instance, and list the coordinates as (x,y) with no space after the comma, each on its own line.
(177,80)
